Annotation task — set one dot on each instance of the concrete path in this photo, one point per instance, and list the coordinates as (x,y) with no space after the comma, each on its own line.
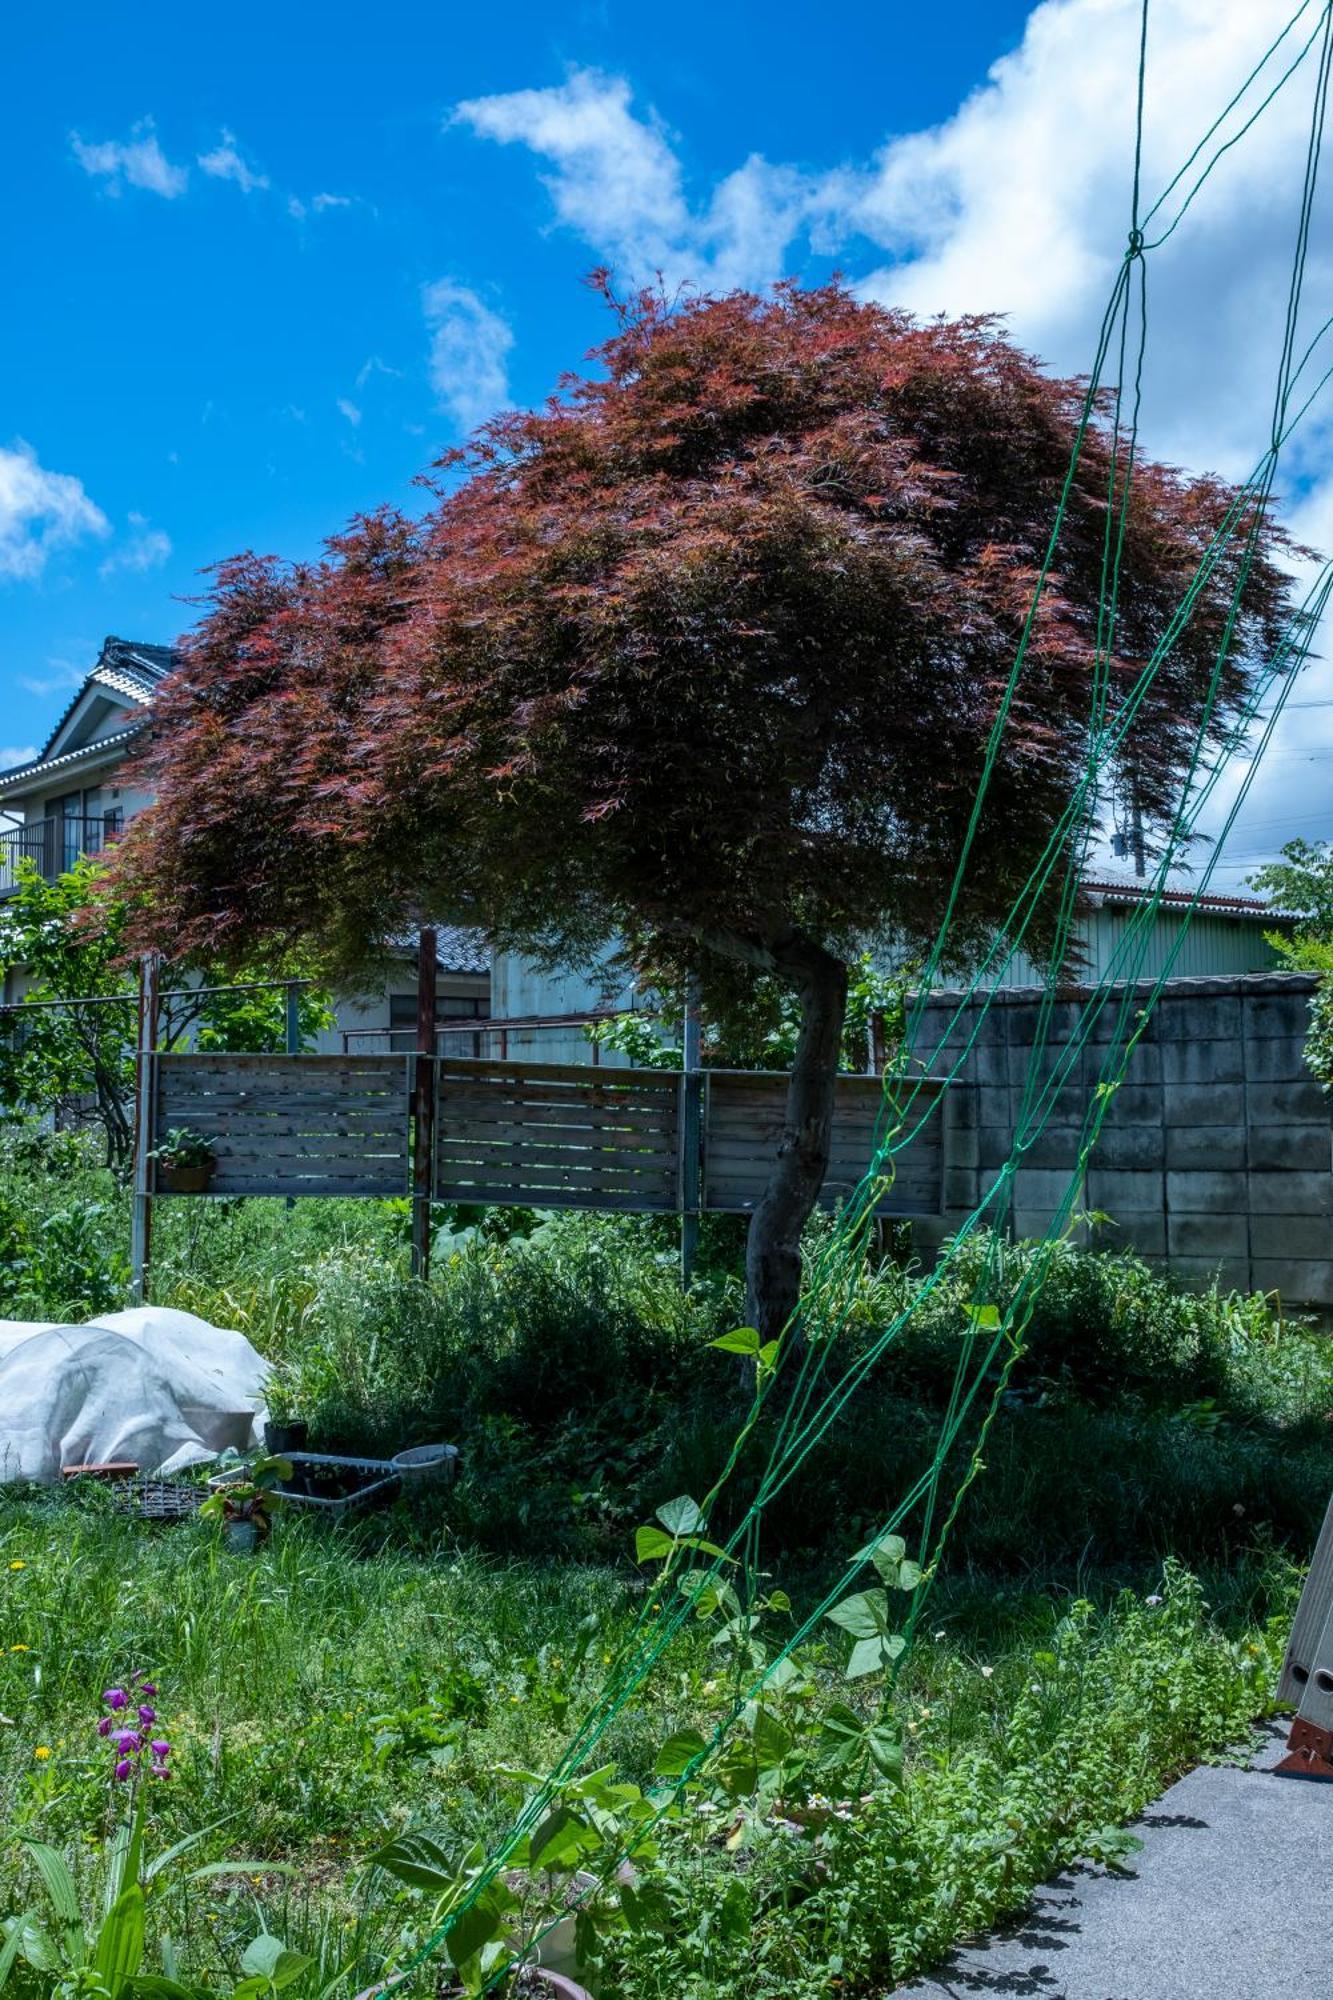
(1231,1899)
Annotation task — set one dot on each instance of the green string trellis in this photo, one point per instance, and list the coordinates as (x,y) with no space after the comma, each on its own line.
(992,1343)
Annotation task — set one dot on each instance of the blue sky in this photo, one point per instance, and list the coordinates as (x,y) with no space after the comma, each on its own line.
(264,266)
(223,366)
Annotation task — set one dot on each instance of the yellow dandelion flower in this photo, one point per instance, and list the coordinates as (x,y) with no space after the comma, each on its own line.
(20,1649)
(18,1565)
(42,1752)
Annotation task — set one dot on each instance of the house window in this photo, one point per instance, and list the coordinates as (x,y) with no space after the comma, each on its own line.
(449,1007)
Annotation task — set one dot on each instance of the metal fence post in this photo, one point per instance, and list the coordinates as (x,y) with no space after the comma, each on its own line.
(691,1123)
(423,1105)
(145,1114)
(293,1019)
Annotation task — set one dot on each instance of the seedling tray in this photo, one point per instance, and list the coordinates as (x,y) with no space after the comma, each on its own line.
(349,1483)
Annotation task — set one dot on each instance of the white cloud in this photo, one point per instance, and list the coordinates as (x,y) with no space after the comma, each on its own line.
(348,409)
(618,182)
(13,755)
(469,350)
(40,512)
(225,163)
(372,365)
(146,548)
(135,162)
(298,208)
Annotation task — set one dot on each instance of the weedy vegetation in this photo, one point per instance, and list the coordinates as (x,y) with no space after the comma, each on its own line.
(354,1715)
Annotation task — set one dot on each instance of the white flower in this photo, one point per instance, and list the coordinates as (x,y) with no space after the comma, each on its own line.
(986,1673)
(1153,1602)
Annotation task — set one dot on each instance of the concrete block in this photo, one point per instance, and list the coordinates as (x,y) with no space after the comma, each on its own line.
(1054,1146)
(962,1148)
(1201,1273)
(1208,1236)
(961,1107)
(1116,1025)
(1191,1017)
(1203,1062)
(1140,1231)
(1145,1065)
(1123,1193)
(1043,1188)
(1232,1274)
(1136,1104)
(993,1107)
(1291,1194)
(1203,1104)
(1208,1146)
(1284,1147)
(1029,1224)
(961,1187)
(1277,1060)
(994,1146)
(1301,1282)
(1197,1193)
(988,1063)
(1288,1103)
(1277,1016)
(1300,1236)
(1138,1146)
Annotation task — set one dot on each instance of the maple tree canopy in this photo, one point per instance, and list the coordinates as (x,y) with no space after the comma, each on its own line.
(702,656)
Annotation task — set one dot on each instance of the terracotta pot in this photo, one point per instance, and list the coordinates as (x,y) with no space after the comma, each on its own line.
(184,1180)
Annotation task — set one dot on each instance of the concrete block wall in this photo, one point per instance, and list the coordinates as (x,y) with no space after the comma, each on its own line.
(1216,1155)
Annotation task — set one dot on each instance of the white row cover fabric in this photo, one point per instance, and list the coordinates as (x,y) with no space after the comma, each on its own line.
(161,1388)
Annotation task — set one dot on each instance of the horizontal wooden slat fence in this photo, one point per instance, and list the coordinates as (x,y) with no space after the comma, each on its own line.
(292,1125)
(527,1134)
(742,1124)
(553,1135)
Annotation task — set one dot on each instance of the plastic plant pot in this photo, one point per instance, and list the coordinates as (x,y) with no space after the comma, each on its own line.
(426,1462)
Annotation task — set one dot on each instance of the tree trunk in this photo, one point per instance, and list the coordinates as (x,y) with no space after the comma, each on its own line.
(773,1252)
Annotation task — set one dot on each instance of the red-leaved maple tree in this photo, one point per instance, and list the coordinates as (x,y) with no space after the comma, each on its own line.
(702,657)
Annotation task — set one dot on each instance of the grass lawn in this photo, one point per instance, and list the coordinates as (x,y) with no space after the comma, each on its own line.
(1113,1610)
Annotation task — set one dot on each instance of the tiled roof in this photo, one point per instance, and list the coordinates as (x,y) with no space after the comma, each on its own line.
(1212,901)
(461,949)
(458,947)
(87,753)
(126,667)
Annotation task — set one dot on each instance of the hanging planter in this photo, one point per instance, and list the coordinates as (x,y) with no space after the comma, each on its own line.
(184,1163)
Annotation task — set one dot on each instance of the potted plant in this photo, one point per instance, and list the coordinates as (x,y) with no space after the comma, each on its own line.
(184,1163)
(245,1505)
(284,1431)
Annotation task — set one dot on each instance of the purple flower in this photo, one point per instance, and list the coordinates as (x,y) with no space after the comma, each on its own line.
(147,1714)
(147,1687)
(106,1725)
(116,1698)
(126,1740)
(123,1769)
(160,1747)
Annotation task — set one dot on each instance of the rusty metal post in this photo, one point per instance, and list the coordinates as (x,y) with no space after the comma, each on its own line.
(145,1120)
(424,1071)
(691,1126)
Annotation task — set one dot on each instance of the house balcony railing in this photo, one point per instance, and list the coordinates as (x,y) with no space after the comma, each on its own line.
(54,845)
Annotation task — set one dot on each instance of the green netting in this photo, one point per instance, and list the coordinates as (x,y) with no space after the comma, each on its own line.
(812,1374)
